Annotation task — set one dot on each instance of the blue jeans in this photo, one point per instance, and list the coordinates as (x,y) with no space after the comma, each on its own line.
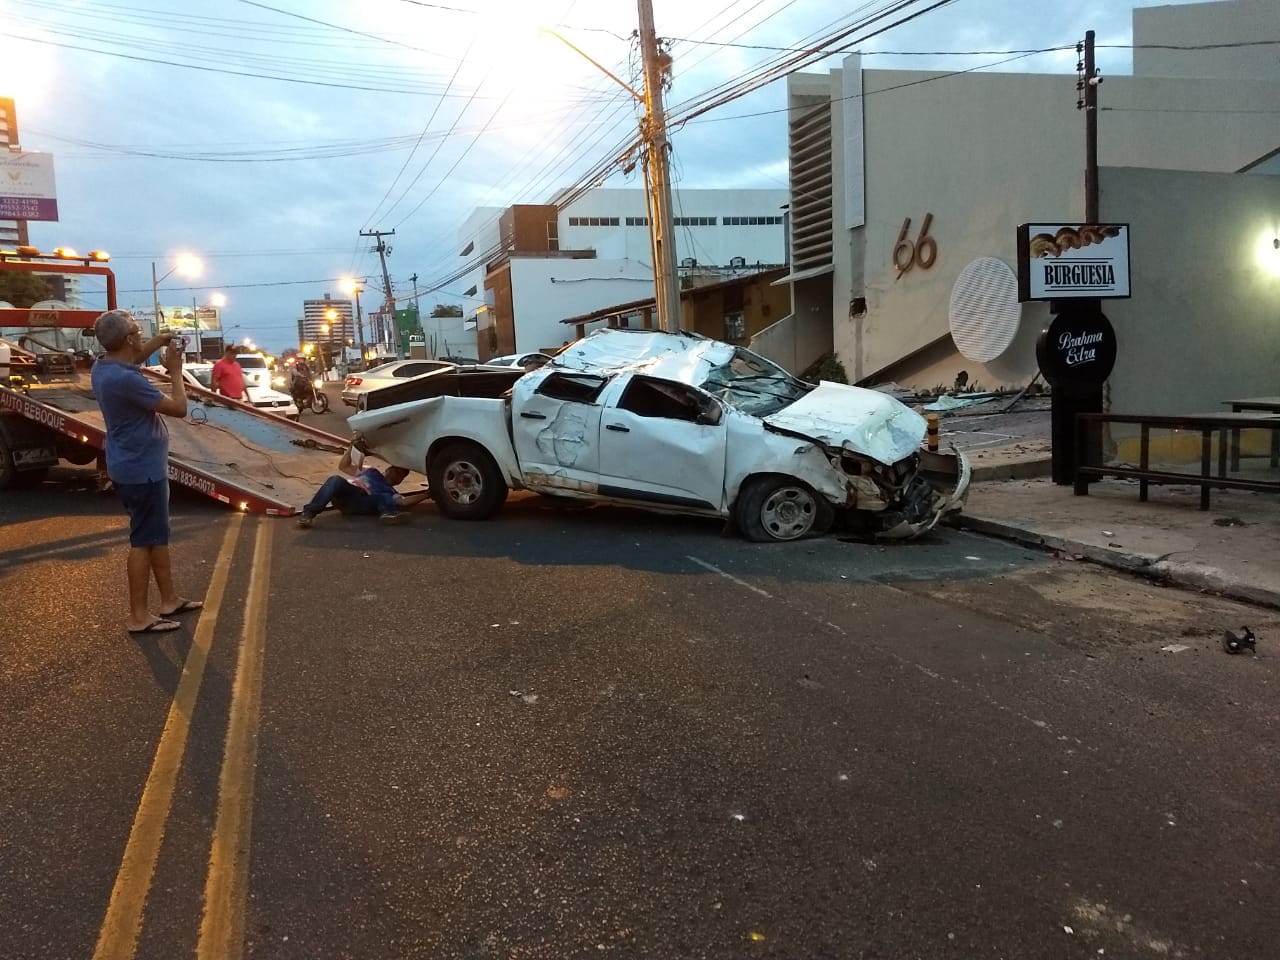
(346,496)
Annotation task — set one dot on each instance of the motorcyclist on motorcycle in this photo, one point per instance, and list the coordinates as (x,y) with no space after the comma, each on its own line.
(300,385)
(304,389)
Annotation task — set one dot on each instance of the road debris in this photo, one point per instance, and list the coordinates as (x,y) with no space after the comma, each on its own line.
(1239,642)
(1174,648)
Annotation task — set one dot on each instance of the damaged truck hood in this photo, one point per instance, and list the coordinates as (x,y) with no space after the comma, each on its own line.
(853,418)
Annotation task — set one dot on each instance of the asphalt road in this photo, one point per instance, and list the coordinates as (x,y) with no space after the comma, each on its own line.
(584,732)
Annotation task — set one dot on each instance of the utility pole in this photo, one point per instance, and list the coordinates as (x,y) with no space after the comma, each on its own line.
(389,303)
(417,311)
(1087,85)
(654,131)
(360,322)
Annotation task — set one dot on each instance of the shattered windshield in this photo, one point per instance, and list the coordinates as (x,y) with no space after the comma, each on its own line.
(754,385)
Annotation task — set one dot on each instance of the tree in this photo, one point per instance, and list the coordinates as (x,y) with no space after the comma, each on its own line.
(24,289)
(446,310)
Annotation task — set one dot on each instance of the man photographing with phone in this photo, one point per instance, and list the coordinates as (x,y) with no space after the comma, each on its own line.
(137,451)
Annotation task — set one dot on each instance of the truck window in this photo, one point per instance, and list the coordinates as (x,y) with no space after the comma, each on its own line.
(661,398)
(579,387)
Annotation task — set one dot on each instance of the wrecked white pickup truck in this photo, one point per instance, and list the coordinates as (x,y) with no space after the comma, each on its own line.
(679,424)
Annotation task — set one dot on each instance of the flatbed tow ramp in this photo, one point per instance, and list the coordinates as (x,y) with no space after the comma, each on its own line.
(224,449)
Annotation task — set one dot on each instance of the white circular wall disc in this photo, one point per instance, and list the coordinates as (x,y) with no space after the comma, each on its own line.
(984,310)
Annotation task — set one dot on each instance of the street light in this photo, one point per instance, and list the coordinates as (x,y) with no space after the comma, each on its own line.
(186,264)
(332,323)
(325,348)
(353,285)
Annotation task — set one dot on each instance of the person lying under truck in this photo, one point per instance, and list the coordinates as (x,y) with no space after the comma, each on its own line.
(361,491)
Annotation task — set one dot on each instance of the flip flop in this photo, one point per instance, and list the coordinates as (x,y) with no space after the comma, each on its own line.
(186,606)
(159,625)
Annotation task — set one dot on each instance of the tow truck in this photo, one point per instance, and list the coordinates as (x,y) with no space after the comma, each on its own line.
(223,449)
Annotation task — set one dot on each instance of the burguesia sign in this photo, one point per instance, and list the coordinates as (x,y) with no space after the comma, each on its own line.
(1073,261)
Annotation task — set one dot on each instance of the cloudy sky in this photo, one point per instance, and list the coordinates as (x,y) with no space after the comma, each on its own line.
(264,136)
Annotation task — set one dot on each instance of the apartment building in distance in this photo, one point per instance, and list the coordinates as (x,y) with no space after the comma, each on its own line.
(327,321)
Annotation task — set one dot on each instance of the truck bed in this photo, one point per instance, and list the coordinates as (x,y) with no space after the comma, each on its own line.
(223,449)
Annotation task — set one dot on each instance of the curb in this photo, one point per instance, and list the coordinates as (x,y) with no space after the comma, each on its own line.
(1188,576)
(1011,470)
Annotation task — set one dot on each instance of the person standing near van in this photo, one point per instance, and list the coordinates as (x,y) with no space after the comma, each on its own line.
(227,375)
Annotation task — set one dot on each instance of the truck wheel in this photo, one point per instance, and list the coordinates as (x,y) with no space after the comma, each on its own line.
(465,482)
(781,508)
(7,471)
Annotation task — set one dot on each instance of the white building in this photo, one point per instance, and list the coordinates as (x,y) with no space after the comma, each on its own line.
(538,264)
(1187,150)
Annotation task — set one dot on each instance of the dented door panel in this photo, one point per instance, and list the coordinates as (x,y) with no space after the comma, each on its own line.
(556,441)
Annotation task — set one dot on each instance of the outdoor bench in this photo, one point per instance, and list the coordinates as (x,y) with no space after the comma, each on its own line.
(1225,427)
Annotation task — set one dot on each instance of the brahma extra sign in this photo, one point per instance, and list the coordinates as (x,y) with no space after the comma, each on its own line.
(1073,261)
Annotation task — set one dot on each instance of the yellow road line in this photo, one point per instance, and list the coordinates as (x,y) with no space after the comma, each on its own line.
(227,886)
(118,938)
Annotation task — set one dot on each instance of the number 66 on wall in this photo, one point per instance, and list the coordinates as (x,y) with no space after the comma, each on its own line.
(921,253)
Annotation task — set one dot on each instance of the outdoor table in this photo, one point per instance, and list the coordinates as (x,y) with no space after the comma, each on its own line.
(1262,405)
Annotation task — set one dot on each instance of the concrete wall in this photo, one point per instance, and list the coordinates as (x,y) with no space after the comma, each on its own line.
(1203,324)
(1204,25)
(544,292)
(794,342)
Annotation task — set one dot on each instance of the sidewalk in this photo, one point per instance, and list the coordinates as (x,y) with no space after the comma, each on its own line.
(1231,549)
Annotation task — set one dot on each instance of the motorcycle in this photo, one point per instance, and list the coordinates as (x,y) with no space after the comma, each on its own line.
(307,395)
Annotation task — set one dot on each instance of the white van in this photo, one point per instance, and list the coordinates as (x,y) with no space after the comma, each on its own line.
(256,373)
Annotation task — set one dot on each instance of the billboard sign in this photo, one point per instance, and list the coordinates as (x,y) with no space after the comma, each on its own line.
(205,319)
(1073,261)
(26,186)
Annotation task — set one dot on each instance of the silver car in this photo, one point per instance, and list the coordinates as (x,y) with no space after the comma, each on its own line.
(395,372)
(526,361)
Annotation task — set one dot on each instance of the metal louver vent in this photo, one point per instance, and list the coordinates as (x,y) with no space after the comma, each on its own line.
(984,310)
(810,156)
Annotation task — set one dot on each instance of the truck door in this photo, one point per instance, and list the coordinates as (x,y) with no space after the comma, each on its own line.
(555,426)
(662,441)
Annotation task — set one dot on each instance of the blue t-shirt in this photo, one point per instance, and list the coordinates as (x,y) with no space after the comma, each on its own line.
(137,438)
(372,482)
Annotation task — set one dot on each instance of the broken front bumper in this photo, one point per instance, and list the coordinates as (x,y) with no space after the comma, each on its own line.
(948,476)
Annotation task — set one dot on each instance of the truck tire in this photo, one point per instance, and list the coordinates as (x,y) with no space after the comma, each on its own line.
(774,507)
(465,482)
(7,470)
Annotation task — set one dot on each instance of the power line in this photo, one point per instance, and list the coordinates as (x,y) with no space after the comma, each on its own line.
(235,73)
